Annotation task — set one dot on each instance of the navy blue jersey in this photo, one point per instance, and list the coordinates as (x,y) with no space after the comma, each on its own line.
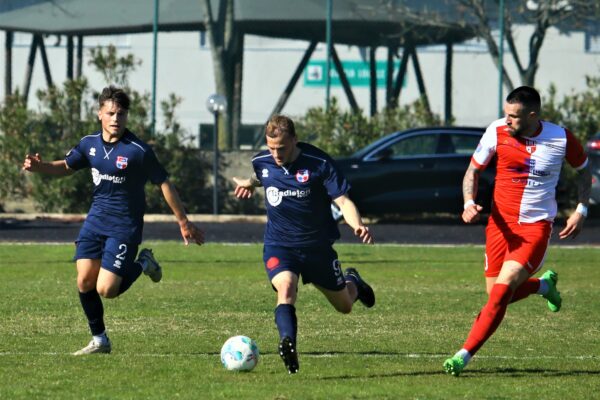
(298,197)
(119,172)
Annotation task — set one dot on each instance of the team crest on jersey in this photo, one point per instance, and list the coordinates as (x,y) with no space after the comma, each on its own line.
(529,146)
(121,162)
(265,173)
(93,151)
(302,175)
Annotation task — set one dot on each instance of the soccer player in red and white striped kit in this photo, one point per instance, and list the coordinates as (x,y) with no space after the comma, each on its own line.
(529,154)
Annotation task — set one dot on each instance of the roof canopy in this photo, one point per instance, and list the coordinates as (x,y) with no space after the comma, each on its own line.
(354,22)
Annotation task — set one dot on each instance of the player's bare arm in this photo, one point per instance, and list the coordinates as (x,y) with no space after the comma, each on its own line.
(584,188)
(189,231)
(470,186)
(34,163)
(245,187)
(353,218)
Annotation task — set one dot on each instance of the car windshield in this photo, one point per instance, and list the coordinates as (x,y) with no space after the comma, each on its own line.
(369,148)
(423,142)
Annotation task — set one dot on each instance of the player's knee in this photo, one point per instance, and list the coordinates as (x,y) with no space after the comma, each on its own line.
(85,284)
(286,296)
(108,292)
(286,291)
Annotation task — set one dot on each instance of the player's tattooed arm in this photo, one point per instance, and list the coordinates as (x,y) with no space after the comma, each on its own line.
(471,183)
(574,224)
(583,181)
(470,186)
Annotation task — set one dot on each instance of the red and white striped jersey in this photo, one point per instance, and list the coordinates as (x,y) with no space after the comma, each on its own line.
(528,169)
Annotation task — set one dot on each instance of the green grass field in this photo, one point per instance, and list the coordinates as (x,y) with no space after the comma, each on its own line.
(167,336)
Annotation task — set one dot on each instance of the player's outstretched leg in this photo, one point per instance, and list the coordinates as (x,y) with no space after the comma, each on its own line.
(458,362)
(149,265)
(287,352)
(95,347)
(454,365)
(552,295)
(365,292)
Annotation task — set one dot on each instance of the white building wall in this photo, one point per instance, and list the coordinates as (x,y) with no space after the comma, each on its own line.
(185,68)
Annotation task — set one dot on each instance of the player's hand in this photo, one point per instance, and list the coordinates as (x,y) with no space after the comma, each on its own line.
(190,232)
(364,234)
(32,163)
(472,213)
(243,189)
(573,227)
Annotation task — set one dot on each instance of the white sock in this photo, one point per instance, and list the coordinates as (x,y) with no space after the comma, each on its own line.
(101,338)
(543,287)
(465,355)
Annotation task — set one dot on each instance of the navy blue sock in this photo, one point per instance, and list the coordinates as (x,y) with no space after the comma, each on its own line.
(132,274)
(94,311)
(285,319)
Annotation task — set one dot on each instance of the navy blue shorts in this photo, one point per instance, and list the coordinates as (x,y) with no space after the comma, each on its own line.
(117,256)
(317,265)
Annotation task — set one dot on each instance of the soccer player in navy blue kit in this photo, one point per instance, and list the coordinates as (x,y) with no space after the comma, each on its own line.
(300,182)
(107,244)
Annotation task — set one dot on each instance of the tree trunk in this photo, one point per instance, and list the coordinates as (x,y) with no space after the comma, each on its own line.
(227,54)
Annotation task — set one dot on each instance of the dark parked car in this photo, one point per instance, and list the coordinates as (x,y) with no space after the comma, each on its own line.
(413,171)
(593,150)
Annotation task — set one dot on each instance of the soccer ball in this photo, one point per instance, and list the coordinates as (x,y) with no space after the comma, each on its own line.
(239,353)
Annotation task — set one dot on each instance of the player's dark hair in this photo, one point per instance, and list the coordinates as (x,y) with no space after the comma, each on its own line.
(279,125)
(114,94)
(528,96)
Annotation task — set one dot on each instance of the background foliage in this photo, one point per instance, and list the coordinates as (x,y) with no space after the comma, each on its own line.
(580,113)
(342,132)
(67,113)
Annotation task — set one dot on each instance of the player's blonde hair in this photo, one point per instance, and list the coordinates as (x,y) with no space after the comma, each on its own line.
(280,125)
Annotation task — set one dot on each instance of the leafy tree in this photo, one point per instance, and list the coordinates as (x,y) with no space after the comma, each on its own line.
(541,14)
(226,42)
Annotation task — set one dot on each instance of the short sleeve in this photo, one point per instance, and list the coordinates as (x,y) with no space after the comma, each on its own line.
(575,155)
(156,173)
(256,167)
(76,158)
(486,148)
(334,181)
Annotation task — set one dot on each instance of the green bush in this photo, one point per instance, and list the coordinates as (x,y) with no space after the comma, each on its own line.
(341,133)
(580,113)
(67,114)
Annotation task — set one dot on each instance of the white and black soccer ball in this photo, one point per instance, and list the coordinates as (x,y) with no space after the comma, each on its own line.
(239,353)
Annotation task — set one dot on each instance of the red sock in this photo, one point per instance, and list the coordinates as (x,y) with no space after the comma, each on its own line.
(489,318)
(530,286)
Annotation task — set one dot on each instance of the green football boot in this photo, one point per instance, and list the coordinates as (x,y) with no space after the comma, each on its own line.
(454,365)
(553,295)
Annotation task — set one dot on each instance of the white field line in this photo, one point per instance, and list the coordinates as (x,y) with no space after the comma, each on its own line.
(312,355)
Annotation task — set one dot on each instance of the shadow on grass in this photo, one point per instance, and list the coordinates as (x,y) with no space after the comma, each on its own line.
(473,374)
(523,372)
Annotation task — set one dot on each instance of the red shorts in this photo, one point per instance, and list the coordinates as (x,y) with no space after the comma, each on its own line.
(525,243)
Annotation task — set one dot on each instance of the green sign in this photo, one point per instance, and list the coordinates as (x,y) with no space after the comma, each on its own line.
(357,72)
